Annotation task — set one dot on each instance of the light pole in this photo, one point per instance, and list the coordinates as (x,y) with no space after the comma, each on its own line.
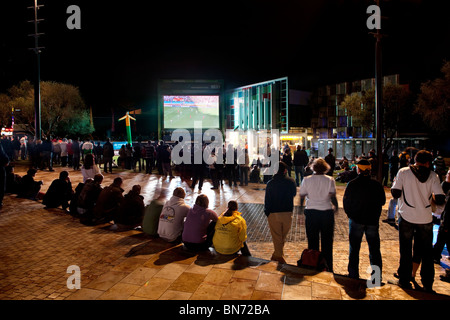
(378,100)
(37,84)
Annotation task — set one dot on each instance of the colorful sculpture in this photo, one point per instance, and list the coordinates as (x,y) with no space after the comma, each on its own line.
(127,118)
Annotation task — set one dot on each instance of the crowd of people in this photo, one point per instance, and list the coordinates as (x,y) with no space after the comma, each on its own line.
(416,186)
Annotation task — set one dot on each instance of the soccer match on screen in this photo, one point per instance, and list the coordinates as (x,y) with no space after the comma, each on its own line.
(183,111)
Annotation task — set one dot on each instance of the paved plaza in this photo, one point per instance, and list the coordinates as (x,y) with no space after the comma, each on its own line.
(38,245)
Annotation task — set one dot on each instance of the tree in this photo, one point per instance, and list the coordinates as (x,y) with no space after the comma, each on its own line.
(396,101)
(361,106)
(433,102)
(63,111)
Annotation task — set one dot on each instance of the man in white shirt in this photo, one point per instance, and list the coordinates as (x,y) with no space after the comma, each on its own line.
(414,186)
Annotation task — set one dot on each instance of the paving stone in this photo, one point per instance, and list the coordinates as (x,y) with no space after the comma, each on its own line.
(37,246)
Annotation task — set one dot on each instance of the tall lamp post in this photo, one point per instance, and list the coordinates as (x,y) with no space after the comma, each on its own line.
(37,84)
(378,100)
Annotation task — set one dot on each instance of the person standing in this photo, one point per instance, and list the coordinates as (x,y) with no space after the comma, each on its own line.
(301,160)
(278,207)
(149,157)
(414,188)
(108,154)
(244,167)
(321,204)
(69,153)
(46,154)
(331,160)
(137,155)
(443,237)
(166,160)
(98,153)
(363,201)
(64,154)
(393,165)
(76,154)
(287,159)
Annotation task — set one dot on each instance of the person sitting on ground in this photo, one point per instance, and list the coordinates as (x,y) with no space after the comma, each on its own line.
(132,209)
(12,180)
(108,202)
(199,225)
(255,174)
(171,220)
(59,193)
(88,198)
(152,213)
(231,232)
(89,168)
(28,188)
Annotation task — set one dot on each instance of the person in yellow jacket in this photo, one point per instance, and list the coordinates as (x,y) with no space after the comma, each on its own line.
(231,232)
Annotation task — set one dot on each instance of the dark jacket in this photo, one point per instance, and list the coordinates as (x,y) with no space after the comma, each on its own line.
(108,201)
(363,200)
(59,193)
(280,193)
(131,210)
(301,158)
(28,188)
(89,195)
(108,150)
(331,160)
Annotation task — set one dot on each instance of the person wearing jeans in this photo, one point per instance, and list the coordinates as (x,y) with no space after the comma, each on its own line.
(422,234)
(414,187)
(301,160)
(356,233)
(363,201)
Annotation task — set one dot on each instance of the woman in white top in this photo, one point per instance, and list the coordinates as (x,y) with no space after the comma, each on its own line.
(89,168)
(319,190)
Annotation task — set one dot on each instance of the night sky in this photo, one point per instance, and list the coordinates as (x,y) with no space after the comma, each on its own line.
(124,47)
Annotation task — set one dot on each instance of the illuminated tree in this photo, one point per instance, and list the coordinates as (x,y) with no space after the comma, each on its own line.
(63,111)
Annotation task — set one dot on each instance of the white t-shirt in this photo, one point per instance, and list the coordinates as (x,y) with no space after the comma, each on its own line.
(317,189)
(90,173)
(414,205)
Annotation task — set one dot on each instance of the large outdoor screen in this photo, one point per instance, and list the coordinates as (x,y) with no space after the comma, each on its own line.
(180,112)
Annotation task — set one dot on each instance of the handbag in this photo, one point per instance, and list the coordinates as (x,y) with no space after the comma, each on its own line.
(312,259)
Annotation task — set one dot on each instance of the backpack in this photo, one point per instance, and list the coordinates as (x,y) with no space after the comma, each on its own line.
(312,259)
